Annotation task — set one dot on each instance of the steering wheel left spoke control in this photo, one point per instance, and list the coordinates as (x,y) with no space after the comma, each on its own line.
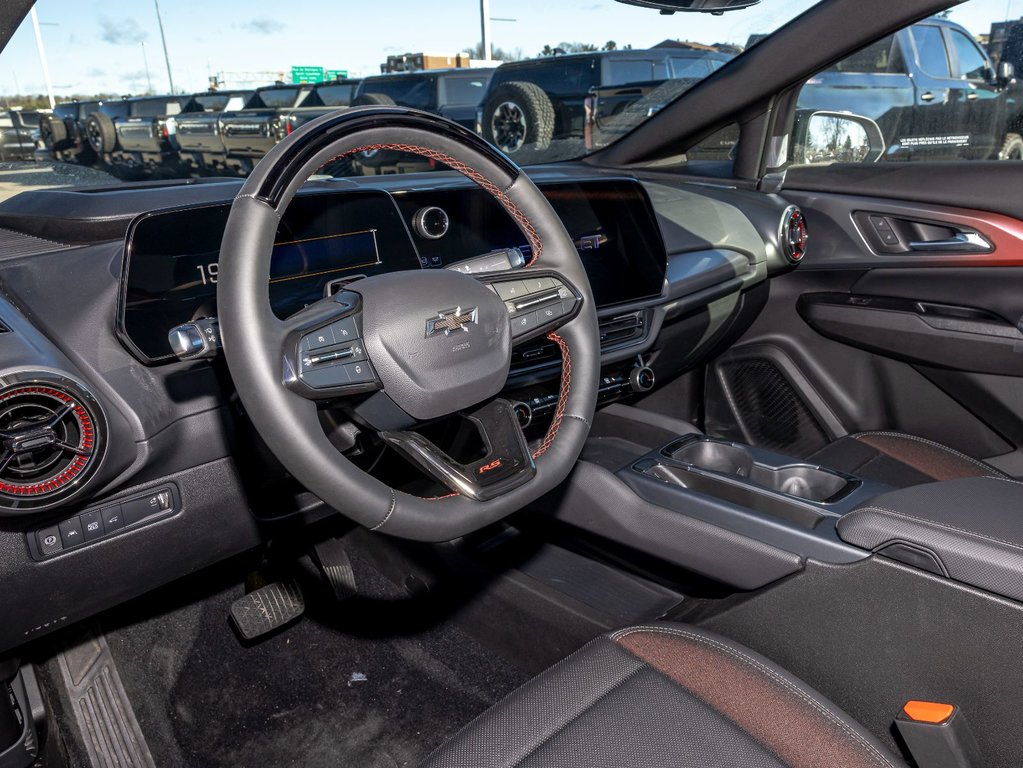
(537,303)
(329,359)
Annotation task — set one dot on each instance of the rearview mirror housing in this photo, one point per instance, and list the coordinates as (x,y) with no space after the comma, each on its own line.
(716,7)
(1006,72)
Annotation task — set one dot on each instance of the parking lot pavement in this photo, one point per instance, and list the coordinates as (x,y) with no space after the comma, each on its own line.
(16,178)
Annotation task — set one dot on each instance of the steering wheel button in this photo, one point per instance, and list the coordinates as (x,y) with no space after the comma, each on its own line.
(344,330)
(359,373)
(325,376)
(551,313)
(318,339)
(539,284)
(512,289)
(524,323)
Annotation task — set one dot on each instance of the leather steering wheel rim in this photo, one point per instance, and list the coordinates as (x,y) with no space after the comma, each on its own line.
(251,333)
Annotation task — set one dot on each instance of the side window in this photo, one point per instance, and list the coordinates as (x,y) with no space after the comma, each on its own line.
(459,91)
(971,64)
(930,50)
(927,93)
(692,67)
(623,71)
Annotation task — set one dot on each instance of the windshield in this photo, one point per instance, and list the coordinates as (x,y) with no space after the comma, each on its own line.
(552,81)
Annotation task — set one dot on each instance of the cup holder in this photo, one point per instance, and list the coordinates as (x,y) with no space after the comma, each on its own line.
(726,458)
(800,480)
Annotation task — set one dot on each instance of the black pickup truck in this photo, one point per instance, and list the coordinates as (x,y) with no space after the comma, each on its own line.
(271,113)
(931,89)
(195,135)
(531,104)
(63,132)
(452,93)
(16,129)
(130,135)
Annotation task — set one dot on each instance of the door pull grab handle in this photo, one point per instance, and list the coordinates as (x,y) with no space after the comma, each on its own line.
(964,242)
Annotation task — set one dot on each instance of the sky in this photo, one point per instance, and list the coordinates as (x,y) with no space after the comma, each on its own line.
(95,46)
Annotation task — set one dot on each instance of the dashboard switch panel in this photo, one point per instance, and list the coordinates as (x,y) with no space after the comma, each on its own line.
(102,522)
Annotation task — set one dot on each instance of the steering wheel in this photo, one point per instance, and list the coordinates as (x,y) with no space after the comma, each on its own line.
(408,347)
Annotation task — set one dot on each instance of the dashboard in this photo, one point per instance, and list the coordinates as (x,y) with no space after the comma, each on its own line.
(154,470)
(328,239)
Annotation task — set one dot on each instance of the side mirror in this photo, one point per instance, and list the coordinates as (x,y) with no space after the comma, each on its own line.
(836,137)
(1006,72)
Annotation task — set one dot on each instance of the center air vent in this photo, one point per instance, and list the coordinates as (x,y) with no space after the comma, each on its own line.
(51,441)
(621,329)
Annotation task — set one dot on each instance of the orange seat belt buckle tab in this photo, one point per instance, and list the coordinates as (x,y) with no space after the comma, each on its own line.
(928,711)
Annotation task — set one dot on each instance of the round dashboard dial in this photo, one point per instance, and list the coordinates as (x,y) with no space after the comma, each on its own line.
(431,222)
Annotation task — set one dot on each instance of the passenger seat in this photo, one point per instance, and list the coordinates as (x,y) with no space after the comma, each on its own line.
(899,459)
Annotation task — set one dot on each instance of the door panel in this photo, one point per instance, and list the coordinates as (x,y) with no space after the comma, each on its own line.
(918,342)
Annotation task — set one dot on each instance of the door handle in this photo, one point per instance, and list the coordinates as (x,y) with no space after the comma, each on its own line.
(964,242)
(971,96)
(926,96)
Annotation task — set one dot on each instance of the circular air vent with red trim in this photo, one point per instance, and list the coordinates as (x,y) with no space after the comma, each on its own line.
(793,234)
(51,440)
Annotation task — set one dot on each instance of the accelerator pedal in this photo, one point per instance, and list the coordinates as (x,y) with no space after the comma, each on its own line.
(267,609)
(336,567)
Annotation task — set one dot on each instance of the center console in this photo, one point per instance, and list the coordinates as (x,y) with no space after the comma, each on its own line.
(738,514)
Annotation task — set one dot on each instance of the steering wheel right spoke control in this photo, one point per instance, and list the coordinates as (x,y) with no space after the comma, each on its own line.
(536,304)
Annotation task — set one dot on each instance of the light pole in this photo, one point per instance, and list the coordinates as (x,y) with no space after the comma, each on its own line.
(163,39)
(485,28)
(145,60)
(42,58)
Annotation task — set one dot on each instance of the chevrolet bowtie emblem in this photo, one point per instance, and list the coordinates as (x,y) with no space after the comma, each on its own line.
(451,320)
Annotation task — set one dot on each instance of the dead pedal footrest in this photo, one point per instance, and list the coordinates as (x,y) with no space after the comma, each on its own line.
(267,608)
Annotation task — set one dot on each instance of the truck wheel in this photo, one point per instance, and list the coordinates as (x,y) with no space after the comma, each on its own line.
(100,132)
(517,114)
(54,132)
(374,100)
(1012,149)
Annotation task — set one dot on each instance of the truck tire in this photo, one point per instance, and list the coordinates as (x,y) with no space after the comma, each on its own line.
(516,115)
(54,133)
(374,100)
(1012,149)
(100,133)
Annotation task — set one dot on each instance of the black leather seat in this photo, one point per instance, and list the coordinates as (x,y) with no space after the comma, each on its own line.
(664,695)
(900,460)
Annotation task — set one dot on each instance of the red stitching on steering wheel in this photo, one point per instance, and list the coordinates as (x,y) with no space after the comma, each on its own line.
(566,386)
(471,173)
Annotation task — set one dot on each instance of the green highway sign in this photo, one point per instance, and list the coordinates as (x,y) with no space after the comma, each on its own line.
(307,75)
(335,74)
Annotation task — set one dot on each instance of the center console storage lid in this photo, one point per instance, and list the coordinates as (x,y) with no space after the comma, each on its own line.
(970,530)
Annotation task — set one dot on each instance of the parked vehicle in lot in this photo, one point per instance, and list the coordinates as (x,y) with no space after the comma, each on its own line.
(16,129)
(273,112)
(931,89)
(195,135)
(530,104)
(451,93)
(131,135)
(62,132)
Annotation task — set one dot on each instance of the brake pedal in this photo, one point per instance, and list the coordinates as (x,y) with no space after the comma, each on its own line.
(267,609)
(336,567)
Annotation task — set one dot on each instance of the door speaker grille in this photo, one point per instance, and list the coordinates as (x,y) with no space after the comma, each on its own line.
(768,409)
